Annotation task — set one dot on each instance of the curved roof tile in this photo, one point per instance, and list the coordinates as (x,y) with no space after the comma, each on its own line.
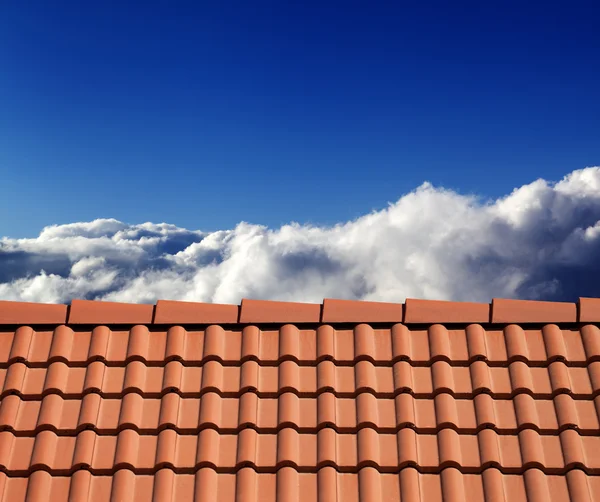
(280,401)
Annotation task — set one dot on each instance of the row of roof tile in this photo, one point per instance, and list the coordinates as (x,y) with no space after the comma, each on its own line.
(501,311)
(269,415)
(145,454)
(288,376)
(306,346)
(327,485)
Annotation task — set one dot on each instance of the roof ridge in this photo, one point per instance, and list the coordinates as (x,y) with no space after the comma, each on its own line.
(250,311)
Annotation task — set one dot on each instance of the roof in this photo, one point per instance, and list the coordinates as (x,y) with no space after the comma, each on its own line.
(273,401)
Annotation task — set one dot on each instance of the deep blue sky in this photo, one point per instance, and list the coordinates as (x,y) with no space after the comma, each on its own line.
(208,113)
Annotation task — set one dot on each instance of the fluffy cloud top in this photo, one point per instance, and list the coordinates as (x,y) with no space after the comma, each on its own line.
(541,241)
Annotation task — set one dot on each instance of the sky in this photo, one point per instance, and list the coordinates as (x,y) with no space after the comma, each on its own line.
(211,151)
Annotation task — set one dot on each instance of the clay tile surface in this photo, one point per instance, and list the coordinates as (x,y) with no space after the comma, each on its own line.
(589,310)
(289,403)
(516,311)
(358,311)
(432,311)
(259,311)
(172,312)
(32,313)
(92,312)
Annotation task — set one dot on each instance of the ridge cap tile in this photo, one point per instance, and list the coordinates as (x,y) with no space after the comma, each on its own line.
(336,310)
(25,313)
(270,311)
(589,309)
(441,311)
(510,311)
(180,312)
(413,311)
(100,312)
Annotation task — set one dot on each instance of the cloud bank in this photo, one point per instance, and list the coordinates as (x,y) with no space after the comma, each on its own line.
(542,241)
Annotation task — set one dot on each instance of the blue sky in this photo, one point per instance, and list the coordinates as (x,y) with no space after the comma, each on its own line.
(205,114)
(164,150)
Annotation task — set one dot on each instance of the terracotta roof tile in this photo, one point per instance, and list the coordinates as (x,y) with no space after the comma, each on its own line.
(147,453)
(288,376)
(259,311)
(431,311)
(345,346)
(206,484)
(589,310)
(345,404)
(527,311)
(92,312)
(32,313)
(170,312)
(356,311)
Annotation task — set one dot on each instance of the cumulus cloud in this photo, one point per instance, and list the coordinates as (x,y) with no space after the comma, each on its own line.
(542,241)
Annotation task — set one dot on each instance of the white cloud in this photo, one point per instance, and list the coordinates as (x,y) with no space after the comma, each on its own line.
(541,241)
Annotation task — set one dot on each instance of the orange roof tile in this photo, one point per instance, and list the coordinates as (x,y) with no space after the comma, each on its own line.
(276,401)
(90,312)
(429,311)
(259,311)
(354,311)
(32,313)
(589,309)
(520,311)
(170,312)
